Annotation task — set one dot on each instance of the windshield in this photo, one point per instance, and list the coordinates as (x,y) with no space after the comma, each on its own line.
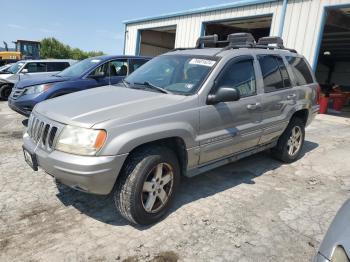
(15,67)
(80,68)
(175,73)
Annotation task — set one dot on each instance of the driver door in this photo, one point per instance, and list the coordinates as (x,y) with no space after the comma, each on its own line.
(227,128)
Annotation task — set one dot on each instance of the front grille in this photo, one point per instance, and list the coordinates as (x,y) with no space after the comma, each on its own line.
(16,93)
(43,132)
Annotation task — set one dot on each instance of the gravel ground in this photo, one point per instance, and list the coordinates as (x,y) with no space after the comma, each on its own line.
(254,210)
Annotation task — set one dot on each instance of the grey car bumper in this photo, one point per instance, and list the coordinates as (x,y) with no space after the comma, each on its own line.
(92,174)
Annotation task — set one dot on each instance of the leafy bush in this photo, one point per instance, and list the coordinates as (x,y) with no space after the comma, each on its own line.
(52,48)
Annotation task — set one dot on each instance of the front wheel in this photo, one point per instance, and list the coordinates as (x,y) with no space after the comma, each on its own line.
(290,144)
(148,182)
(5,91)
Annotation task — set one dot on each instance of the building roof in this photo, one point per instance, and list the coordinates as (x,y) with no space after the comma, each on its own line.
(236,4)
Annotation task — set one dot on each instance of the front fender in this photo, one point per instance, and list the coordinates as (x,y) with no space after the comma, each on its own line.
(126,141)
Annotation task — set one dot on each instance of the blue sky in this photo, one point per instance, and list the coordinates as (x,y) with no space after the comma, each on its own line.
(89,25)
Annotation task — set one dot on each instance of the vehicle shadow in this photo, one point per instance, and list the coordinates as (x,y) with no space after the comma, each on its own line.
(205,185)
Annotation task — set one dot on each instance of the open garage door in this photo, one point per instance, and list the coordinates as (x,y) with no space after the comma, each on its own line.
(157,41)
(333,66)
(257,26)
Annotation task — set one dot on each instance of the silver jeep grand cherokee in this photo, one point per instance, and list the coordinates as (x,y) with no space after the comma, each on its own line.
(181,114)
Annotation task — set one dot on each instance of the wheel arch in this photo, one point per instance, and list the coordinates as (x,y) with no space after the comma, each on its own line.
(175,143)
(302,114)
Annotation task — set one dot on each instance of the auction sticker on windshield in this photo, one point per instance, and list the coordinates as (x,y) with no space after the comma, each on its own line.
(203,62)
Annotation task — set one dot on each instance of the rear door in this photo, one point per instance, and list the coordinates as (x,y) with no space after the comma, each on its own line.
(279,97)
(227,128)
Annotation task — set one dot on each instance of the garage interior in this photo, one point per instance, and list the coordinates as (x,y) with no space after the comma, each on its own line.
(257,26)
(157,41)
(333,68)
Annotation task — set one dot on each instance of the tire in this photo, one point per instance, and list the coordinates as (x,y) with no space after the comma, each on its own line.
(5,91)
(139,185)
(282,151)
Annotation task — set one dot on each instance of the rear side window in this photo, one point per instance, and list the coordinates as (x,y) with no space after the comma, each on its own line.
(35,67)
(240,75)
(57,66)
(274,73)
(135,63)
(301,71)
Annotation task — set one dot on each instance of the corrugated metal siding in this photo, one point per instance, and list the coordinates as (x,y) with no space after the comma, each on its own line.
(301,30)
(303,24)
(189,26)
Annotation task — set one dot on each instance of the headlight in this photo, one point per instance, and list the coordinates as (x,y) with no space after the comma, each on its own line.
(81,141)
(37,89)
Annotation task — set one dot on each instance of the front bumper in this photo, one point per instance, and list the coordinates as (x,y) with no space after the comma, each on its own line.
(21,110)
(92,174)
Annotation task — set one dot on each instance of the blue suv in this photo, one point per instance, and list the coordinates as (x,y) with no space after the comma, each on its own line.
(88,73)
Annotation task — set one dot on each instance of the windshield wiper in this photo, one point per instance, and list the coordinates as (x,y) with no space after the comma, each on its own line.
(150,85)
(126,83)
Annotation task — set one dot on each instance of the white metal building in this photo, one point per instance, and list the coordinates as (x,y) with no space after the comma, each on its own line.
(318,29)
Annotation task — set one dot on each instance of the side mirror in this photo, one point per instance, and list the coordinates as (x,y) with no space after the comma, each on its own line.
(98,75)
(24,71)
(224,94)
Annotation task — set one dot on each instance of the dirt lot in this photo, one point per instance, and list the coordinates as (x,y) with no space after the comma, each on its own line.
(253,210)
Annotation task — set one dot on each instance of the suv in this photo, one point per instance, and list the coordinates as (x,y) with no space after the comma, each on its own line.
(88,73)
(29,69)
(181,114)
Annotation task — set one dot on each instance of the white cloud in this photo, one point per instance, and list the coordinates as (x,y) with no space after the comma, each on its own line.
(16,26)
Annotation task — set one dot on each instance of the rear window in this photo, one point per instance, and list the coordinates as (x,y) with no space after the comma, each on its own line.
(301,70)
(57,66)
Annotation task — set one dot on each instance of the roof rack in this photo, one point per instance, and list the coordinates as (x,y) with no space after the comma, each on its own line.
(240,40)
(274,40)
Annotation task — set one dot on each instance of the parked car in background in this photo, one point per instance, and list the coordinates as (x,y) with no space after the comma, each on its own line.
(181,114)
(335,246)
(30,69)
(88,73)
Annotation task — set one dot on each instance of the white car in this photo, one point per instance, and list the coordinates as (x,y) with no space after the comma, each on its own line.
(25,69)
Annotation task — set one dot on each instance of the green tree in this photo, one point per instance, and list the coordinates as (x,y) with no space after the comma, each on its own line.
(52,48)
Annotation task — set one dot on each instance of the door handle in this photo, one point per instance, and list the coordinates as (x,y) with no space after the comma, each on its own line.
(253,106)
(290,97)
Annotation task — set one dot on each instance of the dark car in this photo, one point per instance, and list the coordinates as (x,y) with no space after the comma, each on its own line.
(88,73)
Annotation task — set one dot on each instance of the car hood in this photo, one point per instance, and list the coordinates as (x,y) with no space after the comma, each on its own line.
(40,80)
(90,107)
(5,76)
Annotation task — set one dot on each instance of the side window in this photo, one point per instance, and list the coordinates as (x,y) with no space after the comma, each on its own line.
(35,67)
(57,66)
(240,75)
(285,76)
(135,63)
(118,67)
(301,71)
(101,68)
(271,73)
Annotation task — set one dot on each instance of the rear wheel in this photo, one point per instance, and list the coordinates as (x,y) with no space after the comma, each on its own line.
(5,91)
(289,145)
(148,182)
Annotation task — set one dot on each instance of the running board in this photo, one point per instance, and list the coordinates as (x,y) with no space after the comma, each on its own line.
(206,167)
